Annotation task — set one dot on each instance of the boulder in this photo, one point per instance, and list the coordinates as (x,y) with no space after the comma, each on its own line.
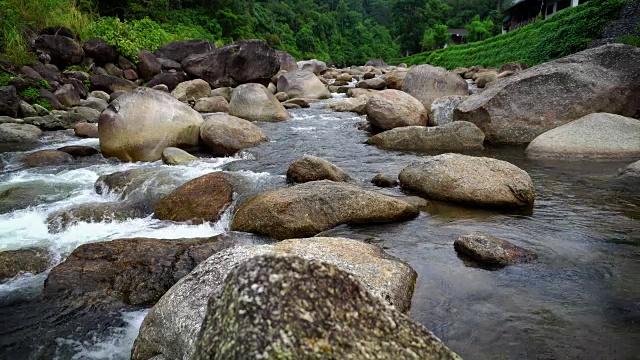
(377,63)
(441,111)
(94,103)
(49,72)
(161,87)
(175,156)
(14,262)
(315,66)
(168,64)
(287,62)
(130,75)
(79,150)
(78,86)
(32,193)
(427,83)
(394,79)
(368,75)
(254,102)
(106,212)
(282,96)
(225,135)
(52,99)
(390,109)
(269,296)
(41,110)
(18,134)
(148,65)
(202,199)
(312,168)
(86,130)
(109,84)
(101,52)
(225,92)
(212,104)
(63,51)
(179,50)
(113,70)
(31,74)
(492,251)
(172,326)
(485,79)
(513,66)
(9,101)
(356,92)
(299,102)
(100,95)
(246,61)
(631,171)
(604,79)
(469,180)
(116,94)
(61,120)
(356,105)
(132,128)
(598,135)
(78,75)
(170,80)
(46,158)
(455,136)
(27,110)
(128,271)
(68,96)
(302,84)
(373,84)
(310,208)
(192,90)
(58,31)
(385,181)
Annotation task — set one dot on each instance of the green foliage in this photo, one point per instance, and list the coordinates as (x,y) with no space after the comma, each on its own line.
(478,29)
(82,68)
(633,40)
(44,103)
(5,79)
(87,83)
(565,33)
(435,37)
(30,95)
(43,84)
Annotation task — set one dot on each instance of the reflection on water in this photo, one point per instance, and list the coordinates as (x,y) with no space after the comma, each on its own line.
(580,299)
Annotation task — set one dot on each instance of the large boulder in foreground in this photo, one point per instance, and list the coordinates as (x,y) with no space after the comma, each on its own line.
(519,108)
(489,250)
(133,129)
(171,328)
(456,136)
(255,103)
(246,61)
(390,109)
(427,83)
(179,50)
(312,168)
(202,199)
(470,180)
(225,134)
(310,208)
(325,312)
(593,136)
(302,84)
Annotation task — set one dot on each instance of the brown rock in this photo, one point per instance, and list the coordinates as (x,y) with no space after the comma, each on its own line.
(490,250)
(86,130)
(47,158)
(225,134)
(312,168)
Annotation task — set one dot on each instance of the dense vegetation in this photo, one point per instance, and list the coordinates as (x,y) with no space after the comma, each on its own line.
(344,31)
(565,33)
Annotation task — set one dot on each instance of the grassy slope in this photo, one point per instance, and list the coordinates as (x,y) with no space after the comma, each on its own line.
(563,34)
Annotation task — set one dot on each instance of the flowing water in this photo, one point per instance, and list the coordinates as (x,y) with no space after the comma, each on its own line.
(579,300)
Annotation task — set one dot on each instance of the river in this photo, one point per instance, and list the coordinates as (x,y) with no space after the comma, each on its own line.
(580,299)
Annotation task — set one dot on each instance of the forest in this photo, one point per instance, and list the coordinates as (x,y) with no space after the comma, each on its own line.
(342,31)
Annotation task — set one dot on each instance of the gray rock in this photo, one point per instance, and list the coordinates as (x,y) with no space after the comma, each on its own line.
(212,104)
(132,128)
(282,96)
(519,108)
(11,133)
(101,52)
(268,300)
(148,65)
(356,105)
(94,103)
(631,171)
(179,50)
(62,50)
(441,111)
(41,110)
(390,109)
(315,66)
(225,134)
(470,180)
(456,136)
(373,84)
(225,92)
(175,156)
(492,251)
(598,135)
(21,196)
(427,83)
(255,103)
(302,84)
(192,90)
(86,130)
(113,70)
(161,87)
(172,326)
(287,62)
(9,101)
(79,150)
(486,78)
(27,110)
(46,158)
(100,95)
(64,119)
(68,96)
(312,168)
(109,84)
(385,181)
(310,208)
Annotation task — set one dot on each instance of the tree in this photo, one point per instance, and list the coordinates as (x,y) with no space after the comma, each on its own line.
(435,37)
(479,30)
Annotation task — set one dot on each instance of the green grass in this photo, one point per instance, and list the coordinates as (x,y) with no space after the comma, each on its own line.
(563,34)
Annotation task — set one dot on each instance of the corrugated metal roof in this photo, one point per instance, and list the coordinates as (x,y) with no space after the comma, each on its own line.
(507,4)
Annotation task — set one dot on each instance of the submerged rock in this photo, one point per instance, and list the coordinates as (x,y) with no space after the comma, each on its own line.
(593,136)
(470,180)
(390,109)
(519,108)
(273,305)
(456,136)
(46,158)
(79,151)
(384,180)
(23,195)
(199,200)
(172,326)
(132,128)
(312,168)
(14,262)
(490,250)
(225,134)
(175,156)
(310,208)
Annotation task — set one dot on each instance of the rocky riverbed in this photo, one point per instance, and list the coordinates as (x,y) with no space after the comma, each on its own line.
(138,237)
